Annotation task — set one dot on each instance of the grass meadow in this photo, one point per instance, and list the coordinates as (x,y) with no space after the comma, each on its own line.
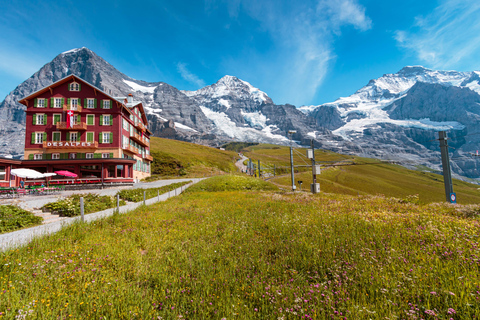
(253,255)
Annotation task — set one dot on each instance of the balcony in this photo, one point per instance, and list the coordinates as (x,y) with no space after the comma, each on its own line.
(139,139)
(140,126)
(67,107)
(130,149)
(71,145)
(148,157)
(77,126)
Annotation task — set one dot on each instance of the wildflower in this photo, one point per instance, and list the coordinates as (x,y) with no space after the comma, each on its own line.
(433,292)
(430,312)
(451,311)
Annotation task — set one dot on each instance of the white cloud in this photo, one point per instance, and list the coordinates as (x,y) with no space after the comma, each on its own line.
(448,37)
(187,75)
(302,34)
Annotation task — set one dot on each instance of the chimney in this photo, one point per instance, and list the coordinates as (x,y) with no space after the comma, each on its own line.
(130,98)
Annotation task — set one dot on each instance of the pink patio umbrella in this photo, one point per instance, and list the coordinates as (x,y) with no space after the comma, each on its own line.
(66,173)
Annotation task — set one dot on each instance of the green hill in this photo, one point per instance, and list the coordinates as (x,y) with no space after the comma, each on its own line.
(351,175)
(177,158)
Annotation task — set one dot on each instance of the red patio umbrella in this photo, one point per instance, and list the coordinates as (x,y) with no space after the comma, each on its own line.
(66,173)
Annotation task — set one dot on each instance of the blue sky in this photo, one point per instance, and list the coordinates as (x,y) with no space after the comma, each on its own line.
(303,52)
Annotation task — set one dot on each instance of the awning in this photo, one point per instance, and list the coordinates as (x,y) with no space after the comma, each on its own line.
(66,173)
(27,173)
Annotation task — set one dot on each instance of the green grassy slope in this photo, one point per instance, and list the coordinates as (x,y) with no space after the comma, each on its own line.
(367,176)
(174,158)
(253,255)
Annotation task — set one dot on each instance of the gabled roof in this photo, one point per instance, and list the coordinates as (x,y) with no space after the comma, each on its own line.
(132,105)
(66,79)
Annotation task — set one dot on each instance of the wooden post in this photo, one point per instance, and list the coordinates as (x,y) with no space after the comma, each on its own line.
(82,209)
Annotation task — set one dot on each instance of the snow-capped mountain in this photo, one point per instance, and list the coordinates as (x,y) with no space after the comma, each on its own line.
(397,116)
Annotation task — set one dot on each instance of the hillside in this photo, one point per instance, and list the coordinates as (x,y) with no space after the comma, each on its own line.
(253,255)
(177,158)
(358,176)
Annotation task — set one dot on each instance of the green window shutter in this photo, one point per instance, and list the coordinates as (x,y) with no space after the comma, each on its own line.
(46,102)
(111,137)
(79,87)
(100,140)
(85,103)
(79,119)
(30,157)
(110,155)
(63,155)
(89,136)
(101,120)
(97,155)
(95,103)
(33,138)
(45,119)
(35,102)
(101,104)
(63,101)
(56,118)
(111,119)
(68,136)
(52,102)
(49,156)
(68,103)
(91,119)
(44,136)
(34,119)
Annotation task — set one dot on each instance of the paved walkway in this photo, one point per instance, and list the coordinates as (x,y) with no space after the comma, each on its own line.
(239,163)
(22,237)
(32,202)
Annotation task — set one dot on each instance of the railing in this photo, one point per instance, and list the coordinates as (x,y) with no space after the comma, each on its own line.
(130,149)
(138,138)
(70,145)
(148,157)
(67,107)
(77,126)
(140,126)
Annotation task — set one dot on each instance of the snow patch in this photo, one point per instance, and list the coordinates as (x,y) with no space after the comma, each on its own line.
(255,119)
(226,126)
(73,50)
(224,103)
(184,127)
(137,87)
(307,109)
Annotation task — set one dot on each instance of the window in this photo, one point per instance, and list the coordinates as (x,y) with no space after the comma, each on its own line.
(90,104)
(107,120)
(40,119)
(57,118)
(37,156)
(90,119)
(74,86)
(2,172)
(105,155)
(40,103)
(56,136)
(90,137)
(39,137)
(58,102)
(73,104)
(89,155)
(55,156)
(72,156)
(106,104)
(73,136)
(125,124)
(106,137)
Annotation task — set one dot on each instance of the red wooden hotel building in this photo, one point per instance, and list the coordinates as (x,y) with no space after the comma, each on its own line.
(72,125)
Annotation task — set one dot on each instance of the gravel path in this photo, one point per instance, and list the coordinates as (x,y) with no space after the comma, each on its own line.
(22,237)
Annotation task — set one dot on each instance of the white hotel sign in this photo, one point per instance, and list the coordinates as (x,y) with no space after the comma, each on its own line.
(68,144)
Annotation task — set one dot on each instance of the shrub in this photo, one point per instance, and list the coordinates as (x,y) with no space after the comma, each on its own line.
(70,206)
(231,183)
(136,195)
(13,218)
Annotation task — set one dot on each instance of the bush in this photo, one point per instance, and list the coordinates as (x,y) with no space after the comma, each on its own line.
(136,195)
(13,218)
(70,207)
(231,183)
